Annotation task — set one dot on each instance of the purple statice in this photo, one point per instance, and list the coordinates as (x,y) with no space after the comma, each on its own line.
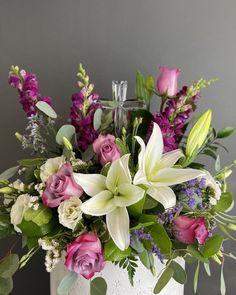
(191,192)
(166,218)
(140,234)
(82,118)
(173,118)
(27,87)
(157,252)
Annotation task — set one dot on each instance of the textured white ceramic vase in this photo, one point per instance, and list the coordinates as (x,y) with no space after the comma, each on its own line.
(118,282)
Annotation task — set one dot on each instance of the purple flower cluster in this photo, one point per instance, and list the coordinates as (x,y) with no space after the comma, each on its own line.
(167,218)
(141,235)
(172,120)
(83,122)
(157,252)
(192,190)
(27,86)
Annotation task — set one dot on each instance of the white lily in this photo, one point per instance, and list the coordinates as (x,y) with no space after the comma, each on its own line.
(110,196)
(156,170)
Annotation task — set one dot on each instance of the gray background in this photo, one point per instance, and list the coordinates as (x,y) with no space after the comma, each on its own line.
(113,39)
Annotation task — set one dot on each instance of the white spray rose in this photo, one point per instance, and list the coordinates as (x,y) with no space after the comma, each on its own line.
(18,210)
(69,212)
(18,185)
(51,167)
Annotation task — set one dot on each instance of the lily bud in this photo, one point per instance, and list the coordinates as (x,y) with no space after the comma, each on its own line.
(19,136)
(198,133)
(7,190)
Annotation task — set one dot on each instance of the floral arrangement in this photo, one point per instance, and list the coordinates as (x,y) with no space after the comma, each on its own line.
(117,183)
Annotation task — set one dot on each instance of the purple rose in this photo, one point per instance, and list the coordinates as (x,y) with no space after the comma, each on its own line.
(61,186)
(106,149)
(84,256)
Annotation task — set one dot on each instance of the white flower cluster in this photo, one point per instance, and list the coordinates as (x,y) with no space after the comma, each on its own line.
(33,203)
(39,188)
(18,185)
(53,254)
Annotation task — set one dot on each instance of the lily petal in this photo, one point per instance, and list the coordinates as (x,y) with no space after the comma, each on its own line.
(129,194)
(163,195)
(118,173)
(172,176)
(169,159)
(141,153)
(92,184)
(154,150)
(140,178)
(101,204)
(118,227)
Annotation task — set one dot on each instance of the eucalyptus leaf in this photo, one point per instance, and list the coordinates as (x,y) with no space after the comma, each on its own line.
(179,275)
(46,109)
(67,131)
(98,286)
(145,259)
(163,280)
(9,265)
(9,173)
(67,283)
(97,119)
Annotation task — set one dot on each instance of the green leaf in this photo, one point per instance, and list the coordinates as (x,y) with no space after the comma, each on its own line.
(97,119)
(140,88)
(46,109)
(146,259)
(225,231)
(192,249)
(207,268)
(67,283)
(195,280)
(136,209)
(212,246)
(112,253)
(6,227)
(150,203)
(222,282)
(9,173)
(9,265)
(227,131)
(179,275)
(98,286)
(40,216)
(6,286)
(31,229)
(163,280)
(88,154)
(159,234)
(67,131)
(225,202)
(231,226)
(217,164)
(31,162)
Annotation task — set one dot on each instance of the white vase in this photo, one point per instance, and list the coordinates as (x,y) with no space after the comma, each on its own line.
(118,282)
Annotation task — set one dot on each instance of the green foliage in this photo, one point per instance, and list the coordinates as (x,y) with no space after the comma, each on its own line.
(46,109)
(163,280)
(195,279)
(130,265)
(8,266)
(6,227)
(9,173)
(67,131)
(67,283)
(40,216)
(88,154)
(179,275)
(207,268)
(212,246)
(112,253)
(193,250)
(97,119)
(98,286)
(144,87)
(147,259)
(222,282)
(136,209)
(31,162)
(227,131)
(225,202)
(25,258)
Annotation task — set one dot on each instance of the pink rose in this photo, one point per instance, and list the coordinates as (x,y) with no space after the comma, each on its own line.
(61,186)
(106,149)
(167,81)
(186,229)
(84,256)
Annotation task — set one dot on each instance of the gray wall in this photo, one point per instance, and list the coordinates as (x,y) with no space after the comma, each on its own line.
(112,39)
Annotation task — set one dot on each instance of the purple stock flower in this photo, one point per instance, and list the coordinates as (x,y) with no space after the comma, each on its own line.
(27,86)
(156,251)
(172,120)
(83,123)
